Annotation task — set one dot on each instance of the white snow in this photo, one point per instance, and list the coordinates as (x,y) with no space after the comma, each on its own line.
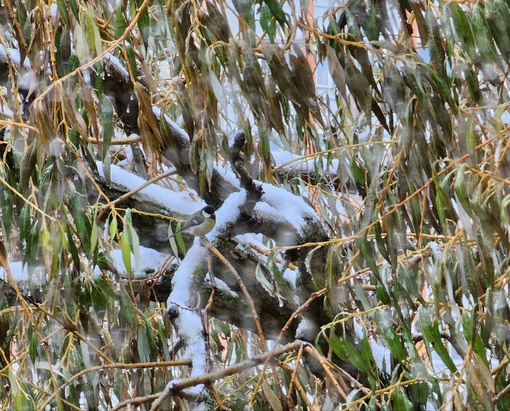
(221,285)
(381,354)
(13,54)
(189,322)
(291,275)
(228,175)
(158,113)
(276,215)
(114,61)
(181,202)
(26,74)
(183,277)
(19,271)
(150,260)
(228,212)
(284,157)
(290,207)
(306,330)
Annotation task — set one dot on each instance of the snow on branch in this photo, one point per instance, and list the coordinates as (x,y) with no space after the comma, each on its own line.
(183,303)
(180,202)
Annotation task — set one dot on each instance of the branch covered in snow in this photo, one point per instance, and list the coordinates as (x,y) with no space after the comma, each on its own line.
(249,213)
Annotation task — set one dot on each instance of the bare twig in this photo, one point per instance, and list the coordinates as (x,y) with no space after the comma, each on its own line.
(243,288)
(175,387)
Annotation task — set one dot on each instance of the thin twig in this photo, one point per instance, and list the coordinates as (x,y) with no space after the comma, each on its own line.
(310,349)
(243,288)
(174,388)
(133,192)
(90,63)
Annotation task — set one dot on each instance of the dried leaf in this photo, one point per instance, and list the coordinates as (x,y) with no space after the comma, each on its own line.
(271,397)
(336,70)
(147,121)
(43,122)
(88,104)
(480,379)
(359,86)
(71,112)
(421,23)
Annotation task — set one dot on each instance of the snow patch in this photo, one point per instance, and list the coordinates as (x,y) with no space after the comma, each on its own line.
(183,277)
(289,207)
(228,212)
(181,202)
(150,260)
(306,330)
(159,114)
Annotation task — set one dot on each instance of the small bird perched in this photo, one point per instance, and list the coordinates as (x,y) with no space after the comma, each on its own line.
(200,223)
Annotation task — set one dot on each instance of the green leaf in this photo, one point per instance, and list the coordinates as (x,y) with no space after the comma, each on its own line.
(151,339)
(389,335)
(21,401)
(367,250)
(119,22)
(94,235)
(419,393)
(470,326)
(72,248)
(471,137)
(473,86)
(144,24)
(400,400)
(113,228)
(125,248)
(277,11)
(498,16)
(483,36)
(346,351)
(381,244)
(464,30)
(99,293)
(63,11)
(460,190)
(127,311)
(267,22)
(359,86)
(74,8)
(368,357)
(33,343)
(93,36)
(82,224)
(106,118)
(430,329)
(480,380)
(142,343)
(131,60)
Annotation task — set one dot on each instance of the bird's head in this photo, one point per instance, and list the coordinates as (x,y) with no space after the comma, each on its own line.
(208,212)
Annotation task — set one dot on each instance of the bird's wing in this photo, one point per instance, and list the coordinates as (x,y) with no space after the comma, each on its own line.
(193,222)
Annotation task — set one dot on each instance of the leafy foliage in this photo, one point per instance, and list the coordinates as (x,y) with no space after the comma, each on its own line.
(404,157)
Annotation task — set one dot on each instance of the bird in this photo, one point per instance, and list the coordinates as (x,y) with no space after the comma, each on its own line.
(200,223)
